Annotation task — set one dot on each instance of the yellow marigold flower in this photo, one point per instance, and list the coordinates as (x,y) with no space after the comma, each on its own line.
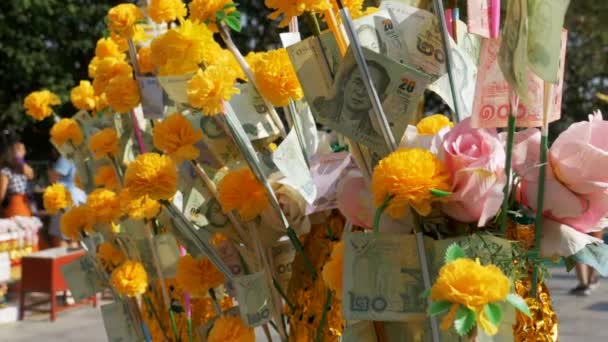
(468,283)
(204,10)
(144,60)
(107,47)
(276,78)
(83,96)
(75,221)
(66,130)
(104,143)
(207,90)
(409,175)
(294,8)
(231,190)
(332,271)
(38,104)
(129,279)
(230,329)
(138,208)
(122,19)
(153,175)
(92,68)
(215,55)
(176,137)
(122,93)
(107,69)
(355,8)
(161,11)
(101,102)
(180,50)
(106,177)
(104,206)
(431,125)
(56,197)
(109,256)
(197,276)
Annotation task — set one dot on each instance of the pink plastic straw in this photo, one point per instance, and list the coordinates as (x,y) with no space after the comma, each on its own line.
(448,21)
(138,136)
(494,18)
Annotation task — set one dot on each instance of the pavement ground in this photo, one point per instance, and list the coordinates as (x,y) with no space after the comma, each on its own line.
(580,318)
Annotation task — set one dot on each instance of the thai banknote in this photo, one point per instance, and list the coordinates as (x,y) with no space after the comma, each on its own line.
(168,253)
(290,161)
(513,55)
(215,139)
(283,254)
(251,111)
(382,278)
(420,34)
(491,106)
(83,277)
(151,97)
(478,15)
(326,170)
(545,22)
(175,86)
(348,109)
(253,297)
(118,323)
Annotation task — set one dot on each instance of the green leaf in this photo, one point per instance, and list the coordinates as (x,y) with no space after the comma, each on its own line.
(454,252)
(229,5)
(494,312)
(438,308)
(220,15)
(233,23)
(465,320)
(519,303)
(426,294)
(440,193)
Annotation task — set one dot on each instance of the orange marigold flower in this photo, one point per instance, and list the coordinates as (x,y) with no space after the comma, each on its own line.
(332,271)
(107,69)
(162,11)
(129,279)
(176,136)
(144,60)
(153,175)
(230,192)
(66,130)
(106,177)
(104,206)
(107,47)
(197,276)
(276,78)
(75,221)
(204,10)
(122,93)
(431,125)
(83,96)
(38,104)
(207,90)
(104,143)
(230,329)
(56,197)
(122,19)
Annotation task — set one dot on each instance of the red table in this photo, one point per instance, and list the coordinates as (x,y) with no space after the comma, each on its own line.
(41,272)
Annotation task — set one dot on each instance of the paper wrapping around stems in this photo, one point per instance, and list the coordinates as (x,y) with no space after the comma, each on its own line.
(176,86)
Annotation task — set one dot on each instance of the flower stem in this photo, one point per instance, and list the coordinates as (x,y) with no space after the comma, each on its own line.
(216,305)
(313,23)
(155,314)
(507,189)
(282,294)
(319,336)
(540,199)
(379,212)
(173,325)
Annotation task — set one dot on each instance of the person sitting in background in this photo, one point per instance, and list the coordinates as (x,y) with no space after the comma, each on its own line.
(14,176)
(63,171)
(588,277)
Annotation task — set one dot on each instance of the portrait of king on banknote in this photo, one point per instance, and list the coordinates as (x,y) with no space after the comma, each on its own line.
(348,101)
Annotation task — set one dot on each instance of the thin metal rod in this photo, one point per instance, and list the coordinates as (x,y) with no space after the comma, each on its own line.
(438,5)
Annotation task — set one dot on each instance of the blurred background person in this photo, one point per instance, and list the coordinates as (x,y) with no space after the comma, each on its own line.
(588,277)
(15,174)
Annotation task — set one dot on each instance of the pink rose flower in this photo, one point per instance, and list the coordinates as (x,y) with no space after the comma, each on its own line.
(576,182)
(475,159)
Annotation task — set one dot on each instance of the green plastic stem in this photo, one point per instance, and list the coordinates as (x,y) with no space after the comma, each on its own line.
(319,336)
(173,325)
(379,212)
(540,200)
(507,189)
(295,241)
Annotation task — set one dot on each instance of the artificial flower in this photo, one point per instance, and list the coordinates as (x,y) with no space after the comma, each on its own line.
(105,177)
(38,104)
(409,175)
(83,96)
(332,271)
(180,50)
(230,192)
(162,11)
(230,329)
(74,221)
(205,10)
(129,279)
(294,207)
(104,143)
(144,60)
(468,283)
(56,197)
(66,130)
(176,137)
(207,90)
(276,78)
(107,69)
(354,199)
(122,19)
(109,256)
(355,8)
(107,47)
(294,8)
(197,277)
(475,160)
(138,208)
(122,93)
(152,174)
(576,185)
(104,206)
(431,125)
